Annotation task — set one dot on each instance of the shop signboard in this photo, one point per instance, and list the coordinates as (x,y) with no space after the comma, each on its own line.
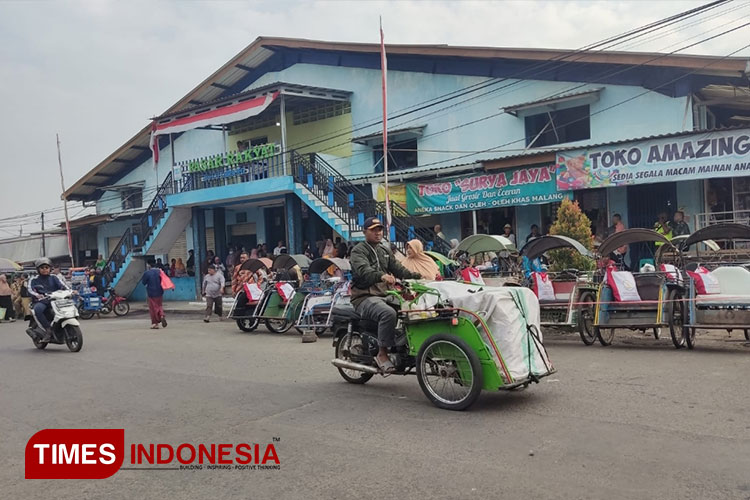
(505,188)
(701,155)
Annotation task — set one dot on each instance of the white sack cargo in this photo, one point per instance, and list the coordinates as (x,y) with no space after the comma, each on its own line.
(512,317)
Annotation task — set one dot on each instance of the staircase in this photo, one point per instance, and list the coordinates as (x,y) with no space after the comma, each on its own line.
(345,206)
(155,233)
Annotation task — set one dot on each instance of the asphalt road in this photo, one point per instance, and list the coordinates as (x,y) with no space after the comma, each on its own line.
(635,420)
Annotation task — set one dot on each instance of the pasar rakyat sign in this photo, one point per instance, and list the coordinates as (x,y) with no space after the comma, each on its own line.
(700,155)
(522,186)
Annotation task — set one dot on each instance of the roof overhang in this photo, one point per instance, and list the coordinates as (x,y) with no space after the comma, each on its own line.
(554,103)
(396,135)
(520,160)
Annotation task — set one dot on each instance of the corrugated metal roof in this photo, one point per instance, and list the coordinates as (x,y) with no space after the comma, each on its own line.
(552,100)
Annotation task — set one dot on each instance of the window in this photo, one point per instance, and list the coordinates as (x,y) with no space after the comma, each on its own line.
(131,198)
(323,112)
(558,127)
(249,143)
(401,155)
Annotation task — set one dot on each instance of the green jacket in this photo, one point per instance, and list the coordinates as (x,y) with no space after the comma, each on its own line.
(369,264)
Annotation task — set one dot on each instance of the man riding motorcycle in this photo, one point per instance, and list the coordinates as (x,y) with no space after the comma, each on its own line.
(44,284)
(374,271)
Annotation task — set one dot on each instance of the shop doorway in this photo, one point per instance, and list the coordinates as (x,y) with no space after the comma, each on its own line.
(645,202)
(593,203)
(492,220)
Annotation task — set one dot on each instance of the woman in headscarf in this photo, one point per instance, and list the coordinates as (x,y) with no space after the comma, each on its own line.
(179,268)
(419,262)
(328,249)
(254,253)
(6,302)
(452,251)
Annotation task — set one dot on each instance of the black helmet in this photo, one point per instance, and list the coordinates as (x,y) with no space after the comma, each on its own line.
(41,262)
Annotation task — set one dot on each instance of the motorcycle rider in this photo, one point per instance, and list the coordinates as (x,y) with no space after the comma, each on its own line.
(374,270)
(39,287)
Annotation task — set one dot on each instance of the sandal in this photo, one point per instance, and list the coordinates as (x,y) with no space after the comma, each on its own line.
(386,367)
(154,326)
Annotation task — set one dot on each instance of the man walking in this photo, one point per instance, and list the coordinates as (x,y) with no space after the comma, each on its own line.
(152,281)
(213,286)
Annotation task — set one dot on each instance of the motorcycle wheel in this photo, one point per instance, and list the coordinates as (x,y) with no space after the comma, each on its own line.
(122,308)
(448,360)
(39,344)
(278,325)
(84,314)
(105,309)
(247,324)
(351,376)
(73,338)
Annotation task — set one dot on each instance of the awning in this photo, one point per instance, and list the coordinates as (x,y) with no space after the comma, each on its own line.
(394,135)
(29,248)
(552,103)
(219,116)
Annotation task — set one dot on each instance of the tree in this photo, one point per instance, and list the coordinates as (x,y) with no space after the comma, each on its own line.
(573,223)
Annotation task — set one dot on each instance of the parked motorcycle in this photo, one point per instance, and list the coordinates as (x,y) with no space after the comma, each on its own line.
(66,328)
(115,303)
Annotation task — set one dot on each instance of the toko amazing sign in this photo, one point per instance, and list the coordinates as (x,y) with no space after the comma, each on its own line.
(701,155)
(521,186)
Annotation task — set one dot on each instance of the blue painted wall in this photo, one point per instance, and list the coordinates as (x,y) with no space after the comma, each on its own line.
(184,290)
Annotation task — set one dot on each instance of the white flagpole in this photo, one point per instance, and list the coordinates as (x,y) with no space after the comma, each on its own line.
(65,202)
(384,71)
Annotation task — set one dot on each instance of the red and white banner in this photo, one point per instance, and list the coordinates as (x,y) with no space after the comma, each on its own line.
(227,114)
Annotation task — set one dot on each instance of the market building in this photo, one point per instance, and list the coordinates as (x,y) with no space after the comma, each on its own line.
(283,143)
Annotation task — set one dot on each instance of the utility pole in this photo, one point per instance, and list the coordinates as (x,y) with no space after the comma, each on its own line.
(65,202)
(44,248)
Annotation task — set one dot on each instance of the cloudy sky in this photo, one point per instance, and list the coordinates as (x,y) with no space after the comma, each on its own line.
(95,71)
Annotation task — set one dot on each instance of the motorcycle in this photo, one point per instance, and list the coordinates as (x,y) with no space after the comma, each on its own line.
(65,326)
(115,303)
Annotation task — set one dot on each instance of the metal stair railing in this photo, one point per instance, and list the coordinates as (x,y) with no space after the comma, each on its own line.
(134,237)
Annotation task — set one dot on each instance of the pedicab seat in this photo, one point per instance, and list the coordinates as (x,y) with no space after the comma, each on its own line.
(734,283)
(563,289)
(648,286)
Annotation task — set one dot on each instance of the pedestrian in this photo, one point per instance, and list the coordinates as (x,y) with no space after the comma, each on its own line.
(439,232)
(21,297)
(419,262)
(320,246)
(253,254)
(679,226)
(101,262)
(152,281)
(534,233)
(219,266)
(341,250)
(662,227)
(454,248)
(329,249)
(190,264)
(263,250)
(279,247)
(179,268)
(173,268)
(6,300)
(241,276)
(213,286)
(508,233)
(231,259)
(618,255)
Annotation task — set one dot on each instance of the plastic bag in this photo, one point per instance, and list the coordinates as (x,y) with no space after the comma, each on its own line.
(543,286)
(472,275)
(285,290)
(705,282)
(253,292)
(623,286)
(166,283)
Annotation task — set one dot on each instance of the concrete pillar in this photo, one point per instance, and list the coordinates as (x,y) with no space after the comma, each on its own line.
(199,244)
(294,231)
(220,232)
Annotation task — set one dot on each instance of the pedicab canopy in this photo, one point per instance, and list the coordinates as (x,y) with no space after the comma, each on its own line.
(253,265)
(679,242)
(303,260)
(284,261)
(482,243)
(628,236)
(441,259)
(722,231)
(539,246)
(319,265)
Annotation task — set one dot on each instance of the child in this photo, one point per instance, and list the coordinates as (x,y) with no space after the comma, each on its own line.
(213,287)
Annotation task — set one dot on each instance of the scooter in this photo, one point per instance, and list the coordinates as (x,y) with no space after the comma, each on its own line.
(66,329)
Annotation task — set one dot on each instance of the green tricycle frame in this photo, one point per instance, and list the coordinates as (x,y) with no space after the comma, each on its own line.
(452,345)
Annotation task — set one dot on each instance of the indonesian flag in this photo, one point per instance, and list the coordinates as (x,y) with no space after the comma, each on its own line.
(227,114)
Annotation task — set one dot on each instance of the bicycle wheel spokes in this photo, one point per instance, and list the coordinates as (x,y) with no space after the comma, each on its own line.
(447,371)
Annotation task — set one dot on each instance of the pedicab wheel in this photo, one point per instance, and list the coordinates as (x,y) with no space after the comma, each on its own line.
(278,325)
(73,338)
(247,324)
(605,335)
(586,318)
(689,333)
(449,372)
(676,314)
(39,344)
(84,314)
(356,348)
(122,308)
